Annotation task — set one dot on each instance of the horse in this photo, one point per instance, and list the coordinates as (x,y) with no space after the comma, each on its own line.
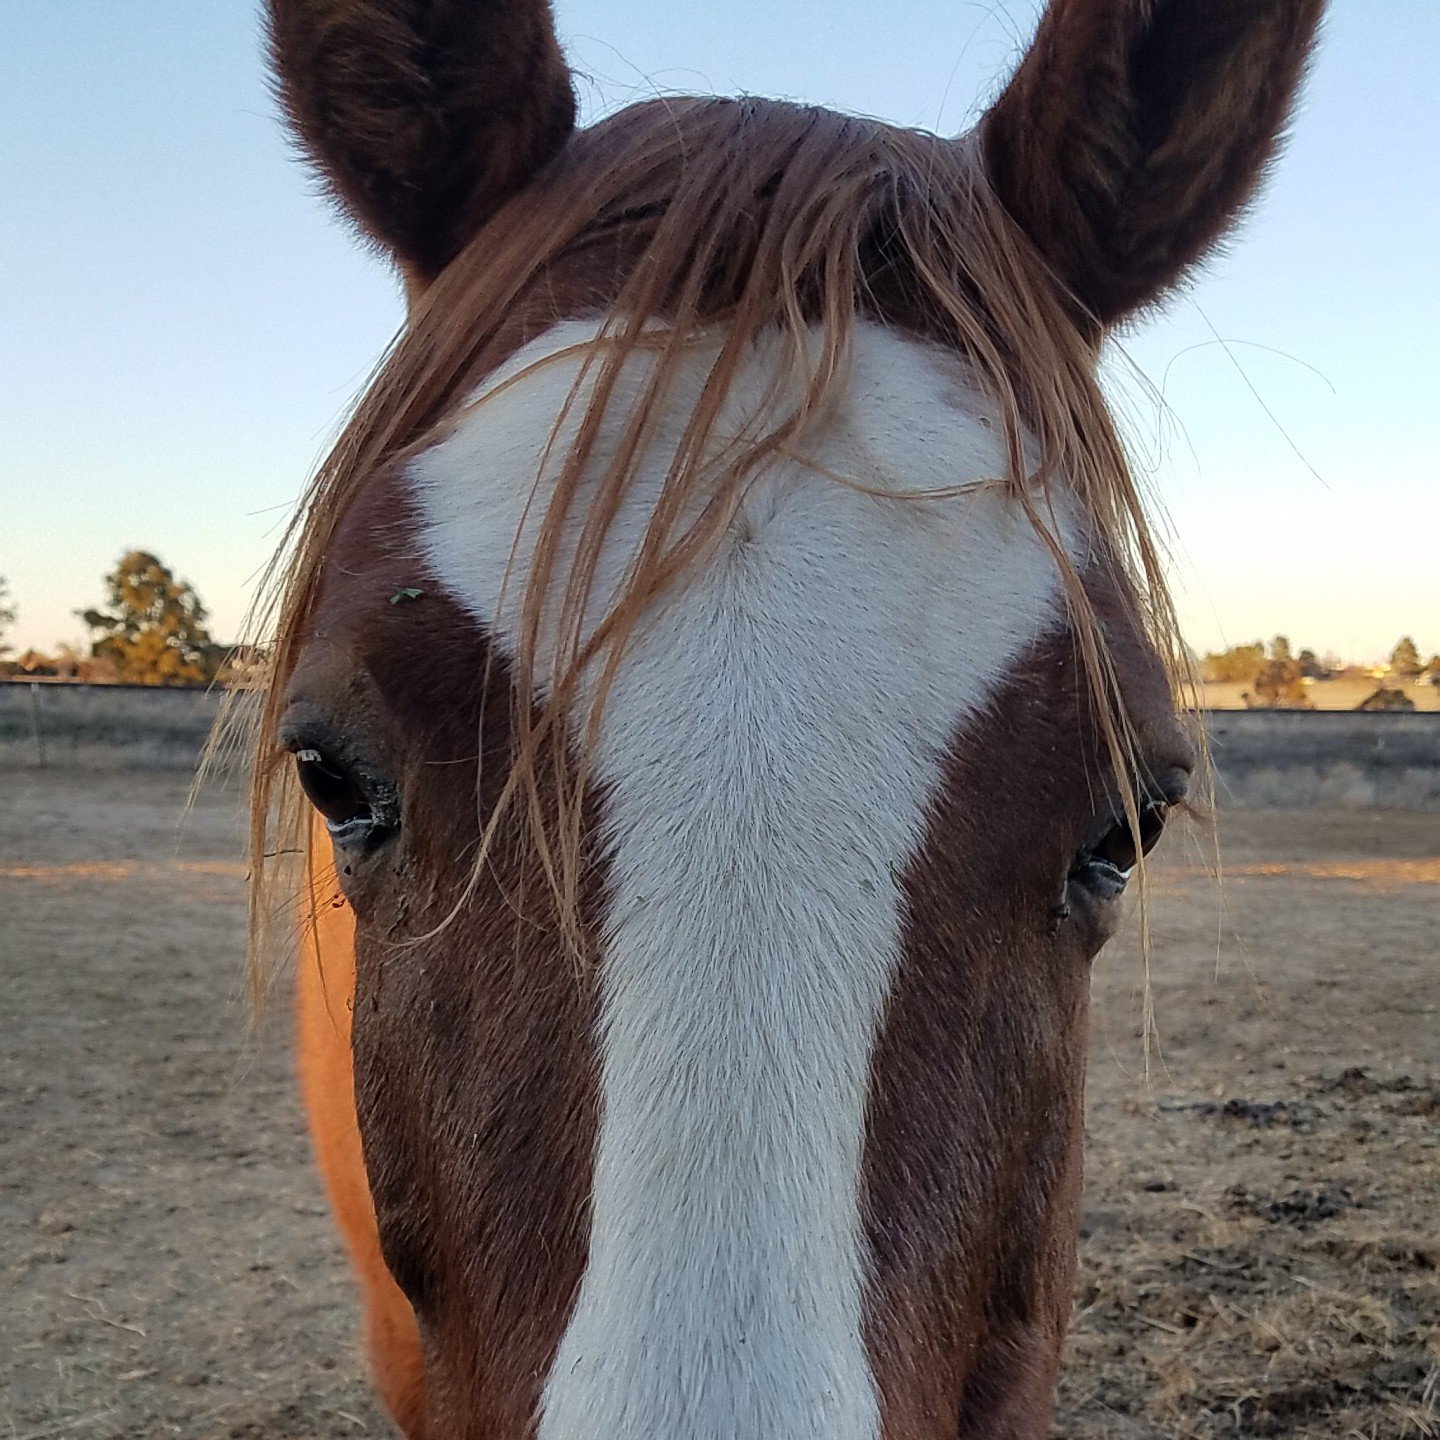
(723,686)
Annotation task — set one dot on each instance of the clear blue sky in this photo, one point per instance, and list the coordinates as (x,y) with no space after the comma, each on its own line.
(183,322)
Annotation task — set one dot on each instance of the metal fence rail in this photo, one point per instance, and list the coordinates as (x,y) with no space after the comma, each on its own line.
(1263,758)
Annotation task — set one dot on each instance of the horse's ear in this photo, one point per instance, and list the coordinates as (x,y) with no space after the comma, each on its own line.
(1135,131)
(422,116)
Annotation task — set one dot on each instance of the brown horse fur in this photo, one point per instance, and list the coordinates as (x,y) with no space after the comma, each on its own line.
(325,995)
(475,1085)
(1135,130)
(423,116)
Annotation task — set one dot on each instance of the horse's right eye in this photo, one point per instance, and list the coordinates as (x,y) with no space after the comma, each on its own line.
(336,793)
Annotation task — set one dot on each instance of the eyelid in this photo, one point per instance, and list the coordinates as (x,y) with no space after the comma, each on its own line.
(1170,786)
(1164,791)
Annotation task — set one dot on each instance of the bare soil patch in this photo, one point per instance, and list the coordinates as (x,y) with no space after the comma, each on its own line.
(166,1260)
(1261,1253)
(1261,1241)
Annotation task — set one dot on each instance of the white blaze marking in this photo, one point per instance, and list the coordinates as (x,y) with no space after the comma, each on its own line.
(768,750)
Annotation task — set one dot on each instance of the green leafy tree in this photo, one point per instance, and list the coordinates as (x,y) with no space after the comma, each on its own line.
(154,630)
(7,615)
(1405,658)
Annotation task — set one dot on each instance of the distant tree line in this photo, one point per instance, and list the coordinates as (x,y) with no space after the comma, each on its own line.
(1275,676)
(151,630)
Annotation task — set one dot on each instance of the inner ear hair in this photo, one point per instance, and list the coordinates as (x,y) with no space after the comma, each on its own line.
(1136,131)
(422,116)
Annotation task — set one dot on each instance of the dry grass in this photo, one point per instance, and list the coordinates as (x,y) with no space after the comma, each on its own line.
(1263,1269)
(1261,1258)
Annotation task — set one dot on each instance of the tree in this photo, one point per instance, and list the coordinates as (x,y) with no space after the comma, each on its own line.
(154,631)
(1405,658)
(1387,699)
(7,615)
(1280,684)
(1239,664)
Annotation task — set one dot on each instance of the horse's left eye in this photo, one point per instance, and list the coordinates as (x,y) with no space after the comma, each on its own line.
(1117,847)
(1106,864)
(334,792)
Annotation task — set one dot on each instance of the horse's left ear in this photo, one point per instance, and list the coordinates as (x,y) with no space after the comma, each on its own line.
(422,116)
(1135,131)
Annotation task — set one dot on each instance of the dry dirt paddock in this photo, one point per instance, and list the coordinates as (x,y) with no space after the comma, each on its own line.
(1261,1247)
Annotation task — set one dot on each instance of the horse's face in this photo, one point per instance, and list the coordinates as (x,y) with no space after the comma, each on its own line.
(817,1108)
(793,1149)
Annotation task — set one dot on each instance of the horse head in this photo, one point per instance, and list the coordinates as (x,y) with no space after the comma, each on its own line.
(730,668)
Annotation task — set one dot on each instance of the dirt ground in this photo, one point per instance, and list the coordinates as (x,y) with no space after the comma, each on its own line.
(1261,1239)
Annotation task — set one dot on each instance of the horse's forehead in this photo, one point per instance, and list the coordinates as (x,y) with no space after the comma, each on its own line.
(951,572)
(847,501)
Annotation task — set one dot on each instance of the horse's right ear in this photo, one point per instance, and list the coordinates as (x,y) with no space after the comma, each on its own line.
(422,116)
(1135,131)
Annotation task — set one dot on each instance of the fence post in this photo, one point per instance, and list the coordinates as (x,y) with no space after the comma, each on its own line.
(35,722)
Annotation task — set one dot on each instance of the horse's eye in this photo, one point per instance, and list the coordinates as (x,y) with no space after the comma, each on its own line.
(333,791)
(1106,865)
(1117,847)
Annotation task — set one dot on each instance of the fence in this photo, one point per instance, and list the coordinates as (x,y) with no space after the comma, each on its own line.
(1307,759)
(103,727)
(1263,758)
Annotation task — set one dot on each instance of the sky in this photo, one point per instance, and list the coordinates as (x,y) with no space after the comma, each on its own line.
(184,320)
